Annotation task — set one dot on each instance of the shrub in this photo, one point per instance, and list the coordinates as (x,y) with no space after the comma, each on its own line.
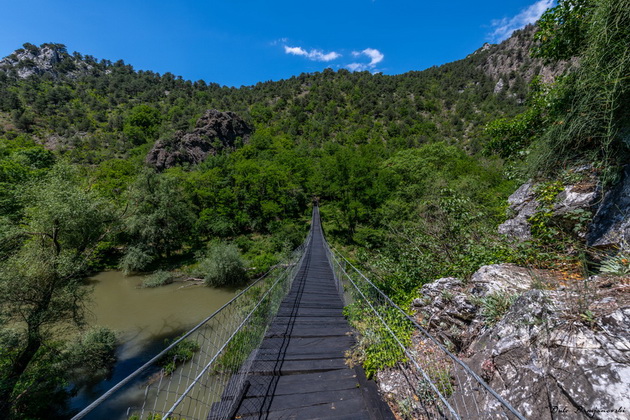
(618,265)
(95,350)
(179,354)
(222,266)
(495,305)
(135,259)
(159,278)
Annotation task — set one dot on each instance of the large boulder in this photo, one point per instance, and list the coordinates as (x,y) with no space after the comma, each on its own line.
(611,225)
(215,131)
(503,278)
(544,362)
(449,307)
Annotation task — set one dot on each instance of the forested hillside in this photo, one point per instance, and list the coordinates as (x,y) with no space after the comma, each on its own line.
(102,166)
(326,134)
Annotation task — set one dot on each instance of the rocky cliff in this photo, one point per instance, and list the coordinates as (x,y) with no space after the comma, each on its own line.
(510,63)
(214,131)
(554,345)
(47,59)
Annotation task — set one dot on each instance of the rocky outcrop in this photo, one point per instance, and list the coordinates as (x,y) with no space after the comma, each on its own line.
(512,56)
(583,196)
(215,131)
(450,308)
(503,278)
(28,62)
(611,225)
(553,354)
(523,205)
(50,59)
(547,364)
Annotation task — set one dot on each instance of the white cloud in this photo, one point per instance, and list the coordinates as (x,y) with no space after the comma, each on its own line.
(503,28)
(280,41)
(374,55)
(356,67)
(313,55)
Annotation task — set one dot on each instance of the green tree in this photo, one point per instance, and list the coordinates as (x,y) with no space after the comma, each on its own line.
(563,30)
(41,283)
(142,124)
(161,219)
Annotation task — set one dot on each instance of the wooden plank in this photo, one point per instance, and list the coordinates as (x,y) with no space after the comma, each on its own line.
(299,370)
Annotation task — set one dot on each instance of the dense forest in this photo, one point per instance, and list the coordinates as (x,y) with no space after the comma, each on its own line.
(411,171)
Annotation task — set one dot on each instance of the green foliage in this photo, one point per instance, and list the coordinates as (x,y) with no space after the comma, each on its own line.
(94,351)
(41,391)
(178,355)
(142,124)
(440,219)
(377,348)
(159,278)
(40,283)
(495,305)
(589,121)
(542,223)
(136,259)
(162,220)
(222,266)
(618,265)
(563,29)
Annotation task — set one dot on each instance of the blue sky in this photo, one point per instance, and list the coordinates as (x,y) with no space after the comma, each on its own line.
(241,42)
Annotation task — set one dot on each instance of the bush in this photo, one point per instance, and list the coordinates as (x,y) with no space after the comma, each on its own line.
(222,266)
(179,354)
(159,278)
(135,259)
(618,265)
(95,350)
(495,305)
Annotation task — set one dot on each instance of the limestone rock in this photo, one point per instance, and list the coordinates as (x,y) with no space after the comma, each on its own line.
(502,278)
(446,309)
(523,205)
(49,59)
(540,360)
(576,197)
(582,196)
(214,131)
(611,225)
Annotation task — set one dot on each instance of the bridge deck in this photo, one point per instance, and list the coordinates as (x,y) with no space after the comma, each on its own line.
(299,371)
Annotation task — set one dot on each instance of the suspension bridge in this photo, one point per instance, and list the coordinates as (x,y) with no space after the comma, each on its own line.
(280,350)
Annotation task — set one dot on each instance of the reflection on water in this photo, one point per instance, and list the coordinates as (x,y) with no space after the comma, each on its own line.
(143,318)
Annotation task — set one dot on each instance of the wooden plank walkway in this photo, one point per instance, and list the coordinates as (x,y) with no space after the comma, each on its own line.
(299,371)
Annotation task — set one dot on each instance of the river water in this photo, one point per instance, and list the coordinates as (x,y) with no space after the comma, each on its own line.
(143,320)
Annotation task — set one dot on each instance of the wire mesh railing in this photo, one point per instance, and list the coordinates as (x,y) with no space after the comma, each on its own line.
(420,378)
(202,374)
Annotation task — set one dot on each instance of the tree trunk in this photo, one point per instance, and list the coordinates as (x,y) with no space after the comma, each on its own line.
(15,372)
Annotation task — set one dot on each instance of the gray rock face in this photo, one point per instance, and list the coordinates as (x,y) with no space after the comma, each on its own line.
(30,62)
(502,278)
(448,311)
(611,224)
(543,356)
(539,360)
(214,131)
(574,198)
(51,59)
(447,305)
(523,205)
